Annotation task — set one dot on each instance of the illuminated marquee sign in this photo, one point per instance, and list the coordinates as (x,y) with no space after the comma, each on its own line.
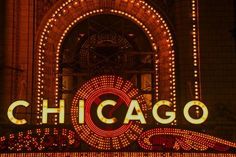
(133,106)
(108,113)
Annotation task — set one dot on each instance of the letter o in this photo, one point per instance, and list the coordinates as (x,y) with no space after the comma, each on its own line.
(202,106)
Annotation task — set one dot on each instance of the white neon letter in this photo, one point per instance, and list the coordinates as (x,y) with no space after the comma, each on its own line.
(81,111)
(47,110)
(99,111)
(129,116)
(10,112)
(202,106)
(171,115)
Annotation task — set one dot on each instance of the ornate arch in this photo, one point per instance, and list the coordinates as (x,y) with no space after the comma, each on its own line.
(65,14)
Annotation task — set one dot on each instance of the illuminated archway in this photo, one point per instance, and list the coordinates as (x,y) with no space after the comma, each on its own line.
(65,14)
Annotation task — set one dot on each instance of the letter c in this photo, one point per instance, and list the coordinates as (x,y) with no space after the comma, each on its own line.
(10,112)
(99,111)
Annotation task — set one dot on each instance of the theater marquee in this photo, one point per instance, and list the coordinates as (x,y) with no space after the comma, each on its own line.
(98,101)
(110,110)
(109,114)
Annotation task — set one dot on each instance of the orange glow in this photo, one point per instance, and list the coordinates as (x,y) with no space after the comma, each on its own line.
(63,10)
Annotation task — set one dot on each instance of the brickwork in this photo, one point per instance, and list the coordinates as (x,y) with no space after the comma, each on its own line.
(2,47)
(18,52)
(218,63)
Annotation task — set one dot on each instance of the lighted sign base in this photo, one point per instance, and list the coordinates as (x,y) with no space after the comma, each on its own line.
(118,154)
(158,140)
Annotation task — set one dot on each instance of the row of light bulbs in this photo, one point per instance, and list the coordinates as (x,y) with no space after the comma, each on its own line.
(196,53)
(119,154)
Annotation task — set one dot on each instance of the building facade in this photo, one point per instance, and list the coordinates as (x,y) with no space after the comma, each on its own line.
(175,50)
